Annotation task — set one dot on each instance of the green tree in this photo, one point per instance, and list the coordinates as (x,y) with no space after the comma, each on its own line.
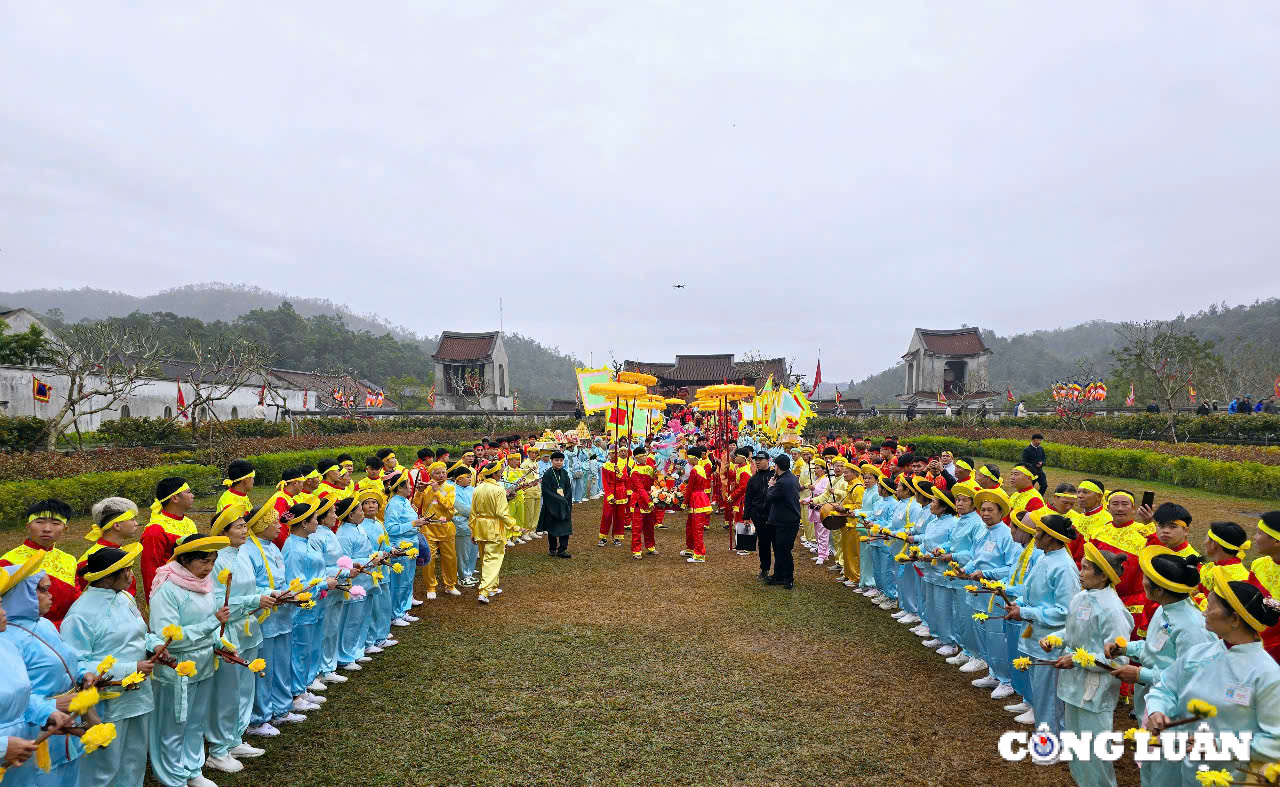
(29,348)
(1163,359)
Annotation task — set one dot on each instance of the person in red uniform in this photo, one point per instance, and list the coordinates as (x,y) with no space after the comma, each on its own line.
(1172,522)
(168,525)
(736,488)
(643,517)
(46,522)
(1265,572)
(331,484)
(697,496)
(115,522)
(290,486)
(615,477)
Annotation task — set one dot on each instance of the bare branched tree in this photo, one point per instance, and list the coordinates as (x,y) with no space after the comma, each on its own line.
(1074,412)
(471,387)
(1165,358)
(103,364)
(218,369)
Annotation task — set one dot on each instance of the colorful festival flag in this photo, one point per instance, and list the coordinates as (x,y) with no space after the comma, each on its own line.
(182,403)
(41,391)
(593,403)
(1128,402)
(817,379)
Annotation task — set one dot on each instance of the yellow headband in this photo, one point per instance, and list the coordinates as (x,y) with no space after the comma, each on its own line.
(995,496)
(350,504)
(434,466)
(313,474)
(1239,550)
(964,489)
(369,494)
(490,470)
(232,481)
(160,501)
(1024,470)
(1271,531)
(1094,556)
(1178,522)
(941,498)
(224,519)
(323,505)
(1061,537)
(46,515)
(347,463)
(1222,586)
(96,532)
(202,544)
(131,553)
(391,455)
(1089,486)
(1144,561)
(963,465)
(984,471)
(1119,493)
(1064,495)
(261,520)
(1035,515)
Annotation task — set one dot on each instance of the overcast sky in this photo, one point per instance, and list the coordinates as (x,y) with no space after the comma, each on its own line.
(819,174)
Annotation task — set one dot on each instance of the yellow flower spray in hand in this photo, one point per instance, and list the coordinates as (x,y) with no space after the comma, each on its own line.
(186,669)
(133,679)
(98,736)
(172,632)
(224,576)
(1022,663)
(105,665)
(257,666)
(83,701)
(1084,658)
(1201,709)
(1214,778)
(1053,641)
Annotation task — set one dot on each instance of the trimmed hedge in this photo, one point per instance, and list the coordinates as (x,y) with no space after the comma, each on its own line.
(82,491)
(1244,479)
(20,433)
(1140,426)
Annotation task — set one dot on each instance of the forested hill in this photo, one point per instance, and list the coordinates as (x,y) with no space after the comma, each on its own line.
(305,334)
(1030,362)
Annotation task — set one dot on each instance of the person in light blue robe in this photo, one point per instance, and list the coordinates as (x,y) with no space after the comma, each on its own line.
(324,541)
(182,595)
(401,522)
(272,700)
(993,556)
(1233,673)
(52,668)
(1023,531)
(304,565)
(466,549)
(1176,625)
(1089,693)
(103,622)
(886,513)
(234,685)
(937,602)
(959,549)
(1043,600)
(355,606)
(378,630)
(874,499)
(911,582)
(22,711)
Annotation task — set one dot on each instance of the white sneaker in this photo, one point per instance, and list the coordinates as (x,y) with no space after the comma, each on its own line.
(400,623)
(413,602)
(985,682)
(431,595)
(878,597)
(974,665)
(263,730)
(388,643)
(889,604)
(334,677)
(525,539)
(372,649)
(454,592)
(247,751)
(958,660)
(316,685)
(902,613)
(314,699)
(482,599)
(511,543)
(817,561)
(948,650)
(496,592)
(849,583)
(1002,691)
(352,667)
(201,781)
(302,706)
(919,631)
(363,660)
(833,567)
(1027,718)
(931,643)
(227,764)
(410,618)
(1018,707)
(289,718)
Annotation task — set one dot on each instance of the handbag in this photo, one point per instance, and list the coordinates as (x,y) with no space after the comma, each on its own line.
(745,537)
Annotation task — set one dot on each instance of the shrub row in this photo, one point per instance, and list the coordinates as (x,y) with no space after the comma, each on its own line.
(1142,426)
(1244,479)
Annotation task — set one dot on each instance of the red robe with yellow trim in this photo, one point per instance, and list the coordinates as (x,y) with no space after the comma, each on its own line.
(61,568)
(1128,539)
(737,493)
(160,536)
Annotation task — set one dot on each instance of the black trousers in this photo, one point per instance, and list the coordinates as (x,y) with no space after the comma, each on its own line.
(784,540)
(1042,481)
(764,545)
(557,543)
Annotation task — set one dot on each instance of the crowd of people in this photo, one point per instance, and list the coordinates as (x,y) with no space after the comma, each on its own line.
(1061,605)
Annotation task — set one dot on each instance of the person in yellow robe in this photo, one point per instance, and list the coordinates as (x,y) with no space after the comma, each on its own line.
(239,482)
(434,502)
(491,520)
(512,474)
(372,483)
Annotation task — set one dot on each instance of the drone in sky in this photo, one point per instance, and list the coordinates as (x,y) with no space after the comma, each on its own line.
(677,286)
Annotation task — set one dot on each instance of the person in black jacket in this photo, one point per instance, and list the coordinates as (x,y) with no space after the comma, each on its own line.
(783,498)
(757,511)
(1033,457)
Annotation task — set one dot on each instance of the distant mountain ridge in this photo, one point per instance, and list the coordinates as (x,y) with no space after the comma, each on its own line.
(538,373)
(1030,362)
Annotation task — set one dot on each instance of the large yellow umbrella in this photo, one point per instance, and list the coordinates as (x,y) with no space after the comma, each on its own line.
(637,378)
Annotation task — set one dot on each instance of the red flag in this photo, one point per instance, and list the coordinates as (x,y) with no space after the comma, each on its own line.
(942,398)
(40,390)
(304,398)
(1128,402)
(262,394)
(431,397)
(1009,394)
(817,379)
(182,402)
(837,396)
(1278,385)
(368,398)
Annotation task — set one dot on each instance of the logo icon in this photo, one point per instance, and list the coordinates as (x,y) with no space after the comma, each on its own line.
(1045,747)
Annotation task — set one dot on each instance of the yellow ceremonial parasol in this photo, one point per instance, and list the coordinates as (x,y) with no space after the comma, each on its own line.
(716,398)
(637,378)
(619,391)
(674,400)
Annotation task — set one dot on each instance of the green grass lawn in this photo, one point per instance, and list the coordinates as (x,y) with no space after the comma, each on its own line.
(607,670)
